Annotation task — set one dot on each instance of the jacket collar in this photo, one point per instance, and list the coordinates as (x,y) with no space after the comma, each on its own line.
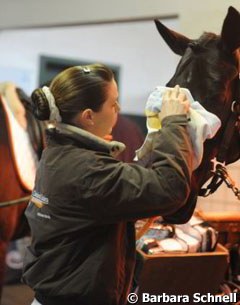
(83,136)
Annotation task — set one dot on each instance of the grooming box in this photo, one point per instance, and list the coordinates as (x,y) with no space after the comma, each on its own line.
(183,273)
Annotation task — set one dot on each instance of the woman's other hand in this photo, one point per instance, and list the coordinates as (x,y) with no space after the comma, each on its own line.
(174,103)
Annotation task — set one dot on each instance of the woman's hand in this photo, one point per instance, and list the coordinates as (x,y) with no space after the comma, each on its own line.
(174,103)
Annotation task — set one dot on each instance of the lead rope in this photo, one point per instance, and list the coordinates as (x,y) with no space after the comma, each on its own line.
(14,202)
(220,175)
(222,172)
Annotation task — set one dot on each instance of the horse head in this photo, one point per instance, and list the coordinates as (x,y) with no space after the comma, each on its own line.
(209,68)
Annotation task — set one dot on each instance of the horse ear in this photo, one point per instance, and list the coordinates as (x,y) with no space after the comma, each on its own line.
(177,42)
(231,30)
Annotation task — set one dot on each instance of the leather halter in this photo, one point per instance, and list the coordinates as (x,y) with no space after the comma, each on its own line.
(220,173)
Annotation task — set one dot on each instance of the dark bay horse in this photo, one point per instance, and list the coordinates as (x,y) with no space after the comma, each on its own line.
(209,68)
(12,222)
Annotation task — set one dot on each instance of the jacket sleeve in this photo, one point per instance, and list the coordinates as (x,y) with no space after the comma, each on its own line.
(120,191)
(185,212)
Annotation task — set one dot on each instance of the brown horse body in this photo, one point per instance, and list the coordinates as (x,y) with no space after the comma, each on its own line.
(10,189)
(13,223)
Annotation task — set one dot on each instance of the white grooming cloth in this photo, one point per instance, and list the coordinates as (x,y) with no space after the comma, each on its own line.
(202,125)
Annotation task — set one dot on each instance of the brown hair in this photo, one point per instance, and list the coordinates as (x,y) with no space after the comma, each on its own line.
(74,89)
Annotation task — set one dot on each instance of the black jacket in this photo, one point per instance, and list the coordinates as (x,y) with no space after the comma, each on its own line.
(83,209)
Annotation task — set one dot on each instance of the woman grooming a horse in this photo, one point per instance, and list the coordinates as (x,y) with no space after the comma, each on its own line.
(85,202)
(209,68)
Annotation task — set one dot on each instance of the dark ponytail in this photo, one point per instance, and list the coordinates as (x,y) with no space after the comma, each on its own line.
(41,108)
(74,90)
